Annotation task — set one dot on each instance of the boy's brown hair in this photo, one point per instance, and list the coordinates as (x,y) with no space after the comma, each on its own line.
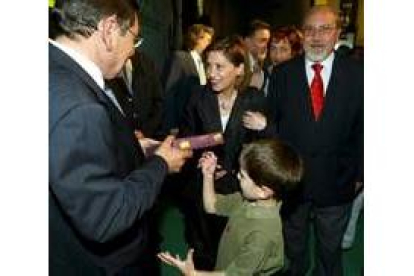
(272,163)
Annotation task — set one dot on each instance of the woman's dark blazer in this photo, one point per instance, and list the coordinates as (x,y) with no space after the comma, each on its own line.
(202,116)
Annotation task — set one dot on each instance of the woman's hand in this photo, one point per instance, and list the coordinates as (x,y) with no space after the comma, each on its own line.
(254,120)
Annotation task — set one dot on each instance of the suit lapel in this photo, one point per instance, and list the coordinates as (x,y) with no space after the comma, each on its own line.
(67,62)
(304,96)
(189,63)
(335,96)
(235,117)
(234,130)
(306,100)
(119,121)
(212,110)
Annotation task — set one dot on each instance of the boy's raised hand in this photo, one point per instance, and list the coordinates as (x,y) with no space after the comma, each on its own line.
(185,266)
(208,163)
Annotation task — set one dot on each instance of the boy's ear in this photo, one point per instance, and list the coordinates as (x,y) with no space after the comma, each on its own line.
(265,192)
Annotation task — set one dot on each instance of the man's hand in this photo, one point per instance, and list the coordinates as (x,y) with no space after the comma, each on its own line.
(139,134)
(148,145)
(254,120)
(174,157)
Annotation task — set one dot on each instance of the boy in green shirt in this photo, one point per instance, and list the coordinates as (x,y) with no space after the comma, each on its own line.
(252,242)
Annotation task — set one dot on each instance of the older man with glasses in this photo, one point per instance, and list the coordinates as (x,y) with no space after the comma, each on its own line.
(316,103)
(101,187)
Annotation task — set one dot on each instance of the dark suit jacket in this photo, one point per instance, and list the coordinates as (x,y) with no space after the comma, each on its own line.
(100,188)
(144,108)
(180,76)
(202,116)
(332,148)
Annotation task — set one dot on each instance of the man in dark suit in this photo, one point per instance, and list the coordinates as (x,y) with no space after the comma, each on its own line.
(317,105)
(183,71)
(257,36)
(101,187)
(139,92)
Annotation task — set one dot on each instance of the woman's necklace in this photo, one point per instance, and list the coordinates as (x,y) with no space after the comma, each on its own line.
(226,103)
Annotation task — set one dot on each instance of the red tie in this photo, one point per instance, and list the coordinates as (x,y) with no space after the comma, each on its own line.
(317,90)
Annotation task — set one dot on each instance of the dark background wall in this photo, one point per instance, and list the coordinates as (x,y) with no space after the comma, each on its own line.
(230,16)
(164,21)
(161,28)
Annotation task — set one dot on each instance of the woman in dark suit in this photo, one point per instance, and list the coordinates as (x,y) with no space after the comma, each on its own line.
(217,107)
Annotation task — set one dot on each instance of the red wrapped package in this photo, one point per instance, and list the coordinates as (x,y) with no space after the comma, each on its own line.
(194,142)
(200,141)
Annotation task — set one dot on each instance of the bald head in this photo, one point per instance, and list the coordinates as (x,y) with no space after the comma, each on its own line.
(326,10)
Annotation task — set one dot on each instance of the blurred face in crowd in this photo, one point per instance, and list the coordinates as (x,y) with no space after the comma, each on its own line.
(203,41)
(257,44)
(221,73)
(320,34)
(280,51)
(121,48)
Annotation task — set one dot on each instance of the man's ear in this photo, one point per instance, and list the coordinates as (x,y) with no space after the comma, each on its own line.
(107,29)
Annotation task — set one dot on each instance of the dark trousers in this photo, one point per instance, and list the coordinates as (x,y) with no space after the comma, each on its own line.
(329,225)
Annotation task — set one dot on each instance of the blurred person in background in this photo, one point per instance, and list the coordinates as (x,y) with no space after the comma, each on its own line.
(183,71)
(285,44)
(256,38)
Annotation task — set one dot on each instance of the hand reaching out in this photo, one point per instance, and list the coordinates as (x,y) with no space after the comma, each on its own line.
(139,134)
(185,266)
(208,163)
(147,144)
(174,157)
(254,120)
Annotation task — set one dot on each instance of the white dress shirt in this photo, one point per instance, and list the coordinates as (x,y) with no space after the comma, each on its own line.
(126,75)
(200,67)
(90,68)
(325,73)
